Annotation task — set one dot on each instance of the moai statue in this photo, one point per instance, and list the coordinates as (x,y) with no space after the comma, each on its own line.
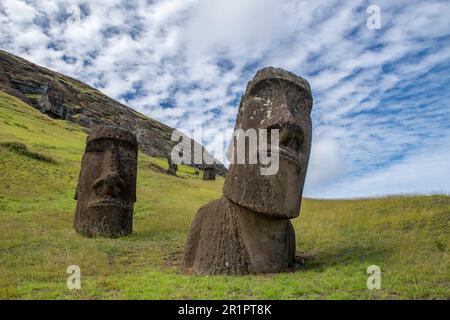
(248,230)
(209,172)
(173,167)
(106,190)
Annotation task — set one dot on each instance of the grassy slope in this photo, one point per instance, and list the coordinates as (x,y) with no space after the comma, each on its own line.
(408,237)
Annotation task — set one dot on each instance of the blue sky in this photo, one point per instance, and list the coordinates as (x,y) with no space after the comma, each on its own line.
(381,120)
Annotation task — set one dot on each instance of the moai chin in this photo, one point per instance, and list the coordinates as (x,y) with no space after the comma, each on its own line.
(106,190)
(248,230)
(209,172)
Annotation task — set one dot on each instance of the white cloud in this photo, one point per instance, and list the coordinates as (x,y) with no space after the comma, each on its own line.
(234,29)
(426,172)
(326,163)
(19,12)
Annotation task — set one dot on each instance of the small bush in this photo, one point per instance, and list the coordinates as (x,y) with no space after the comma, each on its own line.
(440,246)
(22,149)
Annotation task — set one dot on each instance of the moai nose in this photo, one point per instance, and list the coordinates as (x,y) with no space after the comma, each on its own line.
(110,185)
(291,136)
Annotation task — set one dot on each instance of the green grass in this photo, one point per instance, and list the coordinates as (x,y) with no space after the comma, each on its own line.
(21,149)
(34,98)
(407,236)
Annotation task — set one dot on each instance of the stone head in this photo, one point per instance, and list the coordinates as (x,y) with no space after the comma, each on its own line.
(106,189)
(274,99)
(209,172)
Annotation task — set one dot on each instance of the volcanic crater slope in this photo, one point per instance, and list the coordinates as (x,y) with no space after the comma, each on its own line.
(63,97)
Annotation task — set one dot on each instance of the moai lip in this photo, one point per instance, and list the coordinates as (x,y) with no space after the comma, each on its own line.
(106,190)
(248,229)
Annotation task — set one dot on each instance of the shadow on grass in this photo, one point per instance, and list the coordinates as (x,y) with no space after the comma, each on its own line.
(341,256)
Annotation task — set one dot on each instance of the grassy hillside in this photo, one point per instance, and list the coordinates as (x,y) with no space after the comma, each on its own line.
(408,237)
(66,98)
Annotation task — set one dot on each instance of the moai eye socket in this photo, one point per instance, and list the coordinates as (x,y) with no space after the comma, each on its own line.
(95,146)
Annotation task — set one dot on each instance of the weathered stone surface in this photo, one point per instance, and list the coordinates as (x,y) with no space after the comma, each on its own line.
(276,99)
(106,189)
(209,172)
(173,167)
(248,229)
(228,238)
(52,103)
(66,98)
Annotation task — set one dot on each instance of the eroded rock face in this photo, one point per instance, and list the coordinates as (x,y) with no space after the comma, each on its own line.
(106,189)
(52,103)
(209,172)
(66,98)
(248,229)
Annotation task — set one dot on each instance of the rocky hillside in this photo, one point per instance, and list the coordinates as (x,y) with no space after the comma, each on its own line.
(62,97)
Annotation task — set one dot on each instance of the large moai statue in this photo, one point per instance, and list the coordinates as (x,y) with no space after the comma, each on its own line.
(209,172)
(106,190)
(248,230)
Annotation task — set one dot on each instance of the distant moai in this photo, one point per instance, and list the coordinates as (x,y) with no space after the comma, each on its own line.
(173,167)
(248,230)
(209,172)
(106,190)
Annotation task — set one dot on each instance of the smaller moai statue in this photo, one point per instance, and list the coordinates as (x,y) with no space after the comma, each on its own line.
(173,167)
(209,172)
(106,190)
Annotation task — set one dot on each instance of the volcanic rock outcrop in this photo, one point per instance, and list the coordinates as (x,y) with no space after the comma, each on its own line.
(62,97)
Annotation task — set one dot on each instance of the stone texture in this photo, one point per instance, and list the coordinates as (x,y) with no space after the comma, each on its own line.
(248,230)
(228,238)
(106,189)
(277,99)
(209,172)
